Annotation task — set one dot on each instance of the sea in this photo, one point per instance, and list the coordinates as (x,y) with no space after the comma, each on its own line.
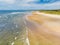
(12,27)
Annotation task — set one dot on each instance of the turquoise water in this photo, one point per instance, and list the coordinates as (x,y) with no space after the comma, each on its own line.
(12,27)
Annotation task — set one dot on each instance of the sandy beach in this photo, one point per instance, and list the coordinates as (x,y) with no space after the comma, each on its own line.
(43,29)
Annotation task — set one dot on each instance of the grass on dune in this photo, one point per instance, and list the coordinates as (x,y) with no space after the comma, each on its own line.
(51,11)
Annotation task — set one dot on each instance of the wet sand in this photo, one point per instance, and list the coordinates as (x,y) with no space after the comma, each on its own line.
(43,30)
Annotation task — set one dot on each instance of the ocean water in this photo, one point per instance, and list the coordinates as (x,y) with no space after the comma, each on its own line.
(12,27)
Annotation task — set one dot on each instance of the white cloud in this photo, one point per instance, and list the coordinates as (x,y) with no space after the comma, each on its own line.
(8,1)
(24,4)
(55,5)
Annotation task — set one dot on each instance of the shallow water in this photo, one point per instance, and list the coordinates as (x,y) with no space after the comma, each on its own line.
(12,28)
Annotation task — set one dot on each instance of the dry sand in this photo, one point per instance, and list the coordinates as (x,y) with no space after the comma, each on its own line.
(43,30)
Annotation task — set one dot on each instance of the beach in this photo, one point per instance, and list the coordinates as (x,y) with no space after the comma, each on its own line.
(43,29)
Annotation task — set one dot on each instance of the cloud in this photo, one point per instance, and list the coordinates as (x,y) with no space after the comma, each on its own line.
(54,5)
(8,1)
(25,3)
(29,4)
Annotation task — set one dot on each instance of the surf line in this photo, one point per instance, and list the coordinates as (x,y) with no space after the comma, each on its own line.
(27,39)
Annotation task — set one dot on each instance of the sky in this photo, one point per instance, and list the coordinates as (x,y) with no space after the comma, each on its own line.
(29,4)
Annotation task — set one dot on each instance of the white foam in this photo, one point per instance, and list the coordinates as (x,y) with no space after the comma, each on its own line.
(16,26)
(15,12)
(17,32)
(12,43)
(0,16)
(15,38)
(27,41)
